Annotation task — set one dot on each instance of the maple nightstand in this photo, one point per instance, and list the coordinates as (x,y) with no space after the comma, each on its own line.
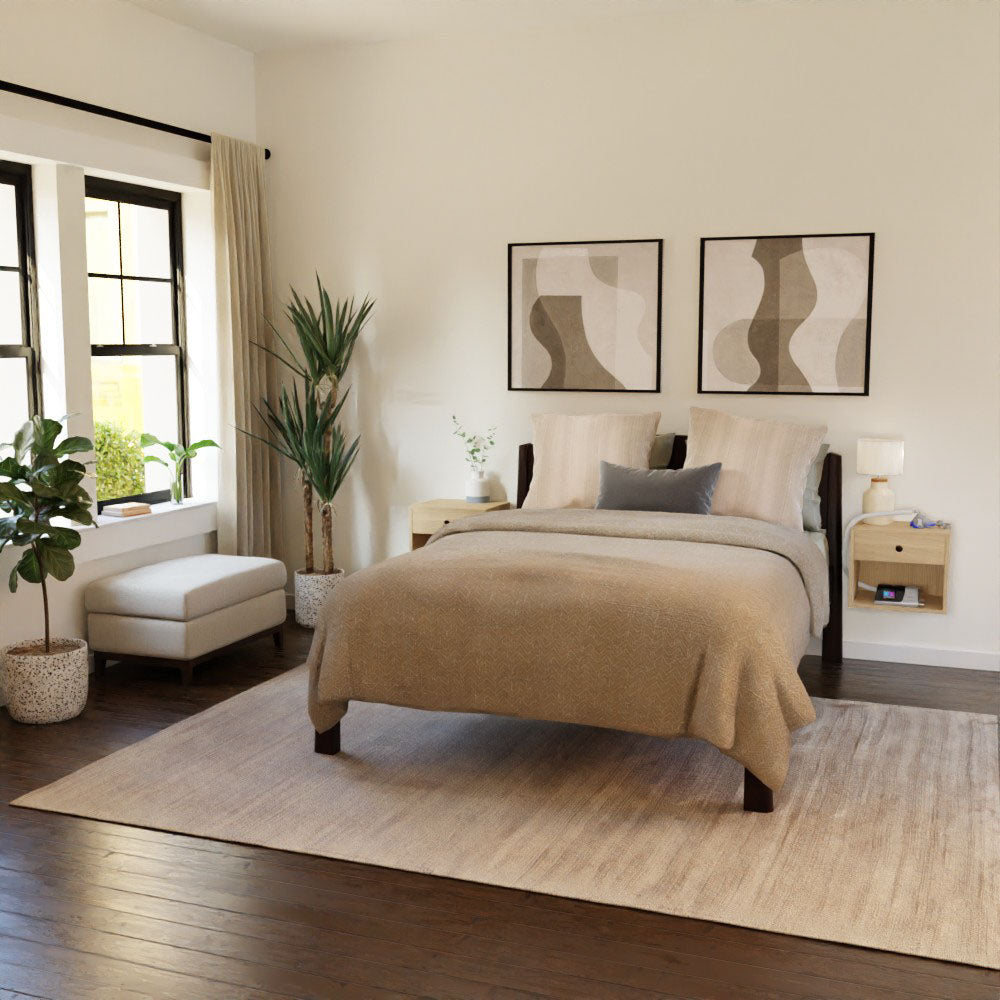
(897,553)
(429,516)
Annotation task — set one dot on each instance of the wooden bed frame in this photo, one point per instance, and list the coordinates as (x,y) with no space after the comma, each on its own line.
(757,797)
(830,488)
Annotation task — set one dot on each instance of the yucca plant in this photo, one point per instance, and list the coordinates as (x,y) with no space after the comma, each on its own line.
(39,482)
(327,335)
(304,430)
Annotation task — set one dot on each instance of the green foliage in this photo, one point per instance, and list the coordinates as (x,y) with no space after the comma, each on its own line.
(39,482)
(305,431)
(327,335)
(477,446)
(177,457)
(120,471)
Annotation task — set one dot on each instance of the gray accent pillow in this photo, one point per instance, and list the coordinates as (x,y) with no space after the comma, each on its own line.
(659,455)
(811,519)
(679,491)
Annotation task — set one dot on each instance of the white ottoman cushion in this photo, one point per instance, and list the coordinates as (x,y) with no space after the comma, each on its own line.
(184,589)
(175,640)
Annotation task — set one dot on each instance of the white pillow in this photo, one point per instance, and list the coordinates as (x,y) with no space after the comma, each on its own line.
(764,463)
(569,451)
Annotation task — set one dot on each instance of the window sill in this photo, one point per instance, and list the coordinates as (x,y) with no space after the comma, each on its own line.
(166,523)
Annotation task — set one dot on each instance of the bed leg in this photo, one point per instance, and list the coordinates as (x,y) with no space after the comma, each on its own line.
(328,742)
(757,797)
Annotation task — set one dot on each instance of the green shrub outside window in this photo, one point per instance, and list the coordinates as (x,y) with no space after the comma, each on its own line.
(121,471)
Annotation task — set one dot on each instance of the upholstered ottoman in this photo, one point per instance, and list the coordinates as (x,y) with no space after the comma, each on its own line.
(183,611)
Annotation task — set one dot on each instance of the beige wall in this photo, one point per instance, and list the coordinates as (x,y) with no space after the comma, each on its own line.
(113,53)
(404,169)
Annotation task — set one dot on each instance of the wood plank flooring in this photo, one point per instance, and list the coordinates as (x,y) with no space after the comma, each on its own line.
(98,911)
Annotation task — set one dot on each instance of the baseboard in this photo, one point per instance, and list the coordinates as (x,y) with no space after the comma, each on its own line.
(931,656)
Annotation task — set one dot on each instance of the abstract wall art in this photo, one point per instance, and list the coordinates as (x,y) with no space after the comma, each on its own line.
(584,317)
(786,314)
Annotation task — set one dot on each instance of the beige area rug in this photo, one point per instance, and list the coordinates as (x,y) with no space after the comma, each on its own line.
(886,834)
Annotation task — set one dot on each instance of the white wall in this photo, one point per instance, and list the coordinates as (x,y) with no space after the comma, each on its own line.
(404,169)
(110,52)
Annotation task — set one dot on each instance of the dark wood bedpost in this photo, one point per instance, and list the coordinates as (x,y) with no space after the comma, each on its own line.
(831,511)
(328,742)
(525,467)
(757,797)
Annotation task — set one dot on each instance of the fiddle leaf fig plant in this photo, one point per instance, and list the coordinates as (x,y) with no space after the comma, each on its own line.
(38,483)
(177,457)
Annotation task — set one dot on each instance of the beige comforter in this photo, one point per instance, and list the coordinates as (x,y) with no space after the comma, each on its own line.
(664,624)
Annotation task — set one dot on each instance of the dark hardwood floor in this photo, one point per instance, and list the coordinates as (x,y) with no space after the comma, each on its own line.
(93,910)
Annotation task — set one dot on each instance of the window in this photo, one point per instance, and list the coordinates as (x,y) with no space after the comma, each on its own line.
(19,390)
(135,282)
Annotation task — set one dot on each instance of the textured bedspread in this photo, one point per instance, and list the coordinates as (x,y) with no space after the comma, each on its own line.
(665,624)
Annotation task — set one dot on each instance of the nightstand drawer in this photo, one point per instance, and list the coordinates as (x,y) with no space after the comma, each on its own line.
(908,545)
(427,522)
(432,515)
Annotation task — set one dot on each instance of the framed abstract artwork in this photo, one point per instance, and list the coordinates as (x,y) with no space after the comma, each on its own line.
(584,317)
(786,314)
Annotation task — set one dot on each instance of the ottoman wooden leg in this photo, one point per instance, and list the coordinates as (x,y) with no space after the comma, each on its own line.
(278,635)
(100,663)
(187,672)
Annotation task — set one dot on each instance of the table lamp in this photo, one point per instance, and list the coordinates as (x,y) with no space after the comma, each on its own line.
(879,458)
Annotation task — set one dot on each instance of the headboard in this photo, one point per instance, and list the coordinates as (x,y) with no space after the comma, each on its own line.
(830,510)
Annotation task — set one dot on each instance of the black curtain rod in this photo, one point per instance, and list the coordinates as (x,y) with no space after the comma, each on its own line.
(96,109)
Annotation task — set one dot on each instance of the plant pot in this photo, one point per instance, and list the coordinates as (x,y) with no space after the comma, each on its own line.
(311,592)
(477,489)
(45,687)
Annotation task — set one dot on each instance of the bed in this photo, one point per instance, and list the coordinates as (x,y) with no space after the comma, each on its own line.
(662,624)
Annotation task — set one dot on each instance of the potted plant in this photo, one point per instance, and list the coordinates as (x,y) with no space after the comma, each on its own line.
(326,335)
(305,431)
(177,458)
(44,680)
(477,447)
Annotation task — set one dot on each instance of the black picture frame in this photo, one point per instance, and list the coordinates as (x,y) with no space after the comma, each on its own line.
(772,236)
(567,243)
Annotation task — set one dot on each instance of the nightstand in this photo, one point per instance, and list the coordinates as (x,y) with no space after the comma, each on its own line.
(429,516)
(897,553)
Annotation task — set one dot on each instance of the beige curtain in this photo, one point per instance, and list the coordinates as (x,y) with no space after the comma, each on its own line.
(250,487)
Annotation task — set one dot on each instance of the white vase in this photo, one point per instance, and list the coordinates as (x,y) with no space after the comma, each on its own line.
(45,687)
(311,592)
(477,488)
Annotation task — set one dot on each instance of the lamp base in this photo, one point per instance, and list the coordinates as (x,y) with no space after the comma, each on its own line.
(879,497)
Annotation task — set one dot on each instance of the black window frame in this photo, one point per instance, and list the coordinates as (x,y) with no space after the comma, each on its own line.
(18,175)
(135,194)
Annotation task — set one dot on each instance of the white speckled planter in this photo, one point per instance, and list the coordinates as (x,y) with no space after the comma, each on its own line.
(42,687)
(311,592)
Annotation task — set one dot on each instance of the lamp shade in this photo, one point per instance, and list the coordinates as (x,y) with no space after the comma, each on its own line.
(880,457)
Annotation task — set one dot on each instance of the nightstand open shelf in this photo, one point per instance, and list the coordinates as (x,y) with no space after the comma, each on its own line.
(898,554)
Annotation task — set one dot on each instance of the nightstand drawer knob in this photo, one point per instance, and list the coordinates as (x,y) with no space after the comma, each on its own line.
(447,522)
(899,548)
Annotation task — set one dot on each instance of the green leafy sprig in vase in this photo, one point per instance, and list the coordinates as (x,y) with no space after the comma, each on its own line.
(177,457)
(477,449)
